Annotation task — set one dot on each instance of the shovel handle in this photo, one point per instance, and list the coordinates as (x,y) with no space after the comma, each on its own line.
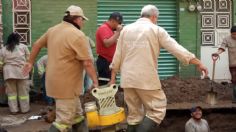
(214,58)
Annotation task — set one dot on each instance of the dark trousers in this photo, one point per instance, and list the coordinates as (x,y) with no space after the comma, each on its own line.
(103,70)
(233,74)
(47,99)
(233,80)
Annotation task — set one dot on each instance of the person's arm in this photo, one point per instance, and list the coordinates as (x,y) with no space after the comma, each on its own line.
(90,70)
(222,48)
(110,41)
(113,77)
(34,53)
(181,53)
(29,65)
(81,48)
(117,60)
(219,51)
(199,65)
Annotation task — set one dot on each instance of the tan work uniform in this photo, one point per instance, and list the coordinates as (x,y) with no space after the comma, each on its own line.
(136,57)
(230,43)
(17,85)
(67,47)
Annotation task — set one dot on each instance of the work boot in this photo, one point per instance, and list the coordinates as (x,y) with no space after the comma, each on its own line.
(147,125)
(80,127)
(234,94)
(131,128)
(53,129)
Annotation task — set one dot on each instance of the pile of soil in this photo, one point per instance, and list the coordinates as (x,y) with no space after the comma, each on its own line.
(194,89)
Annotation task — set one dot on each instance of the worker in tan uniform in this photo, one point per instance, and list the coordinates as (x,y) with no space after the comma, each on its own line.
(68,56)
(230,43)
(13,56)
(136,58)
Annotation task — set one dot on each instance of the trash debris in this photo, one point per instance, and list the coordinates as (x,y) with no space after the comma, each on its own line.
(35,118)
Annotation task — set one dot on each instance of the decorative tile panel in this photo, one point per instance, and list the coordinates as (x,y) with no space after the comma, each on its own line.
(215,20)
(22,20)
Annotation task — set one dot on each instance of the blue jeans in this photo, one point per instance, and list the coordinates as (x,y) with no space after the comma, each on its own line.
(47,99)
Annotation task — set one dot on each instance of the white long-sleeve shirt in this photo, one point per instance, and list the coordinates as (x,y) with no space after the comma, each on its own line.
(137,53)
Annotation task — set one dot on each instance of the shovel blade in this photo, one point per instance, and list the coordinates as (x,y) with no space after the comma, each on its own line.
(211,98)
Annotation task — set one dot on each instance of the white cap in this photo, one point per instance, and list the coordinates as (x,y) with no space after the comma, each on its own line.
(76,11)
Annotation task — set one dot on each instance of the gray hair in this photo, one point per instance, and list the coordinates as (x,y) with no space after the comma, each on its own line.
(149,10)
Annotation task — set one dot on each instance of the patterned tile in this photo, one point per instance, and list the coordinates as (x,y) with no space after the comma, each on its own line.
(208,37)
(207,20)
(222,20)
(223,5)
(208,5)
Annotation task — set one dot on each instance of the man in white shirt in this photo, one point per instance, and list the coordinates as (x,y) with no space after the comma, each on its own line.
(136,58)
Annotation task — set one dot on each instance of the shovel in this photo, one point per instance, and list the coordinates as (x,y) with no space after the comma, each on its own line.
(211,95)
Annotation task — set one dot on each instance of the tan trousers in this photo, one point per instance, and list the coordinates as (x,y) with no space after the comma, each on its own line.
(68,112)
(17,90)
(150,103)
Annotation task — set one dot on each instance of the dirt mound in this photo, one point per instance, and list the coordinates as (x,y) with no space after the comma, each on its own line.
(193,89)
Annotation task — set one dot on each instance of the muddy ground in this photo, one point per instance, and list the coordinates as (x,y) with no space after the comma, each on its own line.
(184,92)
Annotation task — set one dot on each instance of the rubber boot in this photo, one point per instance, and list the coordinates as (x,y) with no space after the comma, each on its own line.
(147,125)
(234,94)
(80,127)
(53,129)
(131,128)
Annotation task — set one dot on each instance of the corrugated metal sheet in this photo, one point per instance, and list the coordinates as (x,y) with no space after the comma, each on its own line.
(130,9)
